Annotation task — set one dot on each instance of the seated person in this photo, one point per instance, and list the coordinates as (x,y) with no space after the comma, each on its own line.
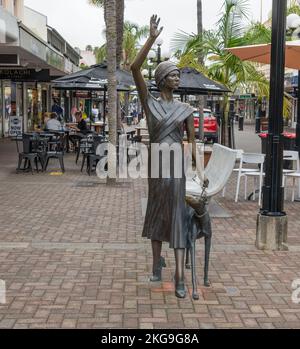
(81,125)
(53,123)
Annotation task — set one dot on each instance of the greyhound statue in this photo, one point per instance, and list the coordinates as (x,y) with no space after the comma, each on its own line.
(198,226)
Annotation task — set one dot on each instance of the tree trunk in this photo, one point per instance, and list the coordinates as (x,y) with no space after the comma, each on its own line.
(201,99)
(120,30)
(226,136)
(111,39)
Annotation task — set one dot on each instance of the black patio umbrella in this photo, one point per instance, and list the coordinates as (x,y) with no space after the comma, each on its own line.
(93,78)
(192,82)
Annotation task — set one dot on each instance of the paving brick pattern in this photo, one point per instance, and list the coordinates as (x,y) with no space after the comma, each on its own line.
(72,256)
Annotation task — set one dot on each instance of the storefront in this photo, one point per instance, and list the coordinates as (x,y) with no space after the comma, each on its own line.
(25,96)
(27,66)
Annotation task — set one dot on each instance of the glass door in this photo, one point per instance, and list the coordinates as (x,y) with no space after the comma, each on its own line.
(32,112)
(8,107)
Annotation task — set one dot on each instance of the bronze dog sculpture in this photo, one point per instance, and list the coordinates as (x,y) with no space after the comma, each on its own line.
(198,226)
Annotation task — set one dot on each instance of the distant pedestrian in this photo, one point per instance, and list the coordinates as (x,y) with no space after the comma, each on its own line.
(56,108)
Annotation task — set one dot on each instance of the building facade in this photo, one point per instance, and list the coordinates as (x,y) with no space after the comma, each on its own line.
(31,55)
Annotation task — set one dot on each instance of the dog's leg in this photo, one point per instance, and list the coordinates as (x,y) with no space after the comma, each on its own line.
(206,261)
(187,258)
(193,262)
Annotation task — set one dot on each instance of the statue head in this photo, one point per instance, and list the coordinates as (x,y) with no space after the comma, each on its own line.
(163,70)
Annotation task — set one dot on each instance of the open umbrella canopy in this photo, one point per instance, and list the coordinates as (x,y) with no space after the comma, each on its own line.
(192,82)
(93,78)
(262,53)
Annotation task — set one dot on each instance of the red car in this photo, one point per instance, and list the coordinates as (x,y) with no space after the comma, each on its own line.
(210,125)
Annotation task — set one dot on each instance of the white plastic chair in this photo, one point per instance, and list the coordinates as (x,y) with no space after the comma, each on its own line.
(294,176)
(217,171)
(239,153)
(253,159)
(295,173)
(291,155)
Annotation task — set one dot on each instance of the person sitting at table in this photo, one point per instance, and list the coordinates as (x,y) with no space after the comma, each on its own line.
(81,125)
(53,123)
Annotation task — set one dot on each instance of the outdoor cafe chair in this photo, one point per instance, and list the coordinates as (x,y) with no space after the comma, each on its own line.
(251,159)
(295,176)
(31,154)
(93,157)
(239,153)
(217,171)
(292,155)
(55,150)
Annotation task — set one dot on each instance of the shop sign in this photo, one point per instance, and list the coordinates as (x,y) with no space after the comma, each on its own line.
(33,45)
(15,126)
(82,94)
(9,29)
(247,96)
(25,75)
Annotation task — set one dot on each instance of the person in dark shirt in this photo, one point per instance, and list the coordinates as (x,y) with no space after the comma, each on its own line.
(56,108)
(81,124)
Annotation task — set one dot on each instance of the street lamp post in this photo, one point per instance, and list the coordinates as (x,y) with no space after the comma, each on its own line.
(272,220)
(155,57)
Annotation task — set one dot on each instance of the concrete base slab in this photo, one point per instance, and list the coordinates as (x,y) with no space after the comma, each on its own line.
(271,233)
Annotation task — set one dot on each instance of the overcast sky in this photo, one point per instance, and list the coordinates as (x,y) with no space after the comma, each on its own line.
(80,24)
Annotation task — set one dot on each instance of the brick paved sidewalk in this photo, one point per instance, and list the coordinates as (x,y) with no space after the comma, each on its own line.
(72,256)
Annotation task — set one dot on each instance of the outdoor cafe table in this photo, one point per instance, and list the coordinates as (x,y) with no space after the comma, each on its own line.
(139,129)
(97,127)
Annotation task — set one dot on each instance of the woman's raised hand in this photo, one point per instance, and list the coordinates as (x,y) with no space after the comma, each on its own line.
(154,31)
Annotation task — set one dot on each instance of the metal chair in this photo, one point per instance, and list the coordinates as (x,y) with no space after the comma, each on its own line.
(30,154)
(55,150)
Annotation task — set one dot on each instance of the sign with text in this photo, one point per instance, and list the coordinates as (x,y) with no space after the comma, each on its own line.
(15,126)
(25,75)
(82,94)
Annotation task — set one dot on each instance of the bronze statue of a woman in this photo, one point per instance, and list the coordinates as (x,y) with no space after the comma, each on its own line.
(166,117)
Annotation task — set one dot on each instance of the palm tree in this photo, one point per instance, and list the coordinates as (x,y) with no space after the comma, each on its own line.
(110,17)
(100,53)
(224,67)
(201,99)
(133,33)
(120,6)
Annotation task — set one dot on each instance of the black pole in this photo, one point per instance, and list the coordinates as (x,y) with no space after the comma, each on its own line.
(158,54)
(150,74)
(273,192)
(298,117)
(104,112)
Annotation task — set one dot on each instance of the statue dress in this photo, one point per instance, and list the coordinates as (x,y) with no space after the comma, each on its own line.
(166,210)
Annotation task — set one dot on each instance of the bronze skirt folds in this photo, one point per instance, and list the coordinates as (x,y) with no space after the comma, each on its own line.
(165,216)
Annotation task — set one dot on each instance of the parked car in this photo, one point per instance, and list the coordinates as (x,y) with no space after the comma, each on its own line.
(210,125)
